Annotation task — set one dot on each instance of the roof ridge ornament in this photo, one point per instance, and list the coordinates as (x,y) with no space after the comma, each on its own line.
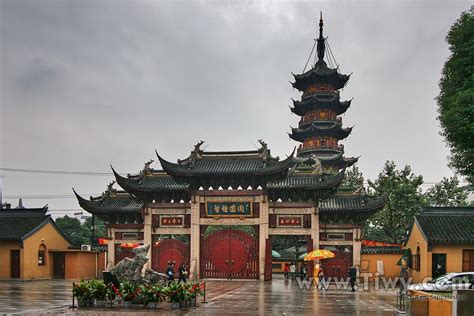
(147,170)
(321,47)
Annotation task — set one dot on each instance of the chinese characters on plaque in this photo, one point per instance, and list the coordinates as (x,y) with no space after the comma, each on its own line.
(229,209)
(290,221)
(172,221)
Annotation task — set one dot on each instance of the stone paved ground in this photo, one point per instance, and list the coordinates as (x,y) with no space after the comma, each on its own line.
(224,298)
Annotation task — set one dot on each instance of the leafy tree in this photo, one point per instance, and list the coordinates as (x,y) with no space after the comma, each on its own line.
(447,193)
(81,233)
(456,98)
(404,200)
(353,178)
(71,226)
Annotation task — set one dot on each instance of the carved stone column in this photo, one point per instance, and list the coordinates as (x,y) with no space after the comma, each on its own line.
(147,231)
(263,234)
(315,227)
(356,246)
(111,249)
(195,239)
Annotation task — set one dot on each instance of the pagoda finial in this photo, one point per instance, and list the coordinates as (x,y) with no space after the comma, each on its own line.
(321,45)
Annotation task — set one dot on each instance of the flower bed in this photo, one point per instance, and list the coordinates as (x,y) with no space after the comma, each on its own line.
(98,294)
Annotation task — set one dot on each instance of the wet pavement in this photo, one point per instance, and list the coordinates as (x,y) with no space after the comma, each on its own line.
(224,298)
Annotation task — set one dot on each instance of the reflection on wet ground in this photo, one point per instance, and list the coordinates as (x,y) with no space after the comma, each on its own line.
(224,298)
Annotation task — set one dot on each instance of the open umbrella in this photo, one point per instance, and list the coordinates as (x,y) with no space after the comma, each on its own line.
(301,257)
(275,254)
(319,254)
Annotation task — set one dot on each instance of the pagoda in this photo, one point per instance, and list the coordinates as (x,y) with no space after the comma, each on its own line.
(320,128)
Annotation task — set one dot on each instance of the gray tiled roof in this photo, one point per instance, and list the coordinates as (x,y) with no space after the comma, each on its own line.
(18,224)
(351,202)
(110,205)
(447,224)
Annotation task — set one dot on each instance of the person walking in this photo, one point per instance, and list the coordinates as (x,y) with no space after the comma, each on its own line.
(316,275)
(293,271)
(286,270)
(183,273)
(352,277)
(303,272)
(170,272)
(322,279)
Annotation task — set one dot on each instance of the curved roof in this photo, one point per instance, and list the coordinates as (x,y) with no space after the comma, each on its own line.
(353,203)
(314,129)
(307,181)
(320,73)
(156,181)
(320,101)
(223,164)
(104,205)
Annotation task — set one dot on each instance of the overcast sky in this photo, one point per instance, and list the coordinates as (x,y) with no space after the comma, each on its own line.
(85,84)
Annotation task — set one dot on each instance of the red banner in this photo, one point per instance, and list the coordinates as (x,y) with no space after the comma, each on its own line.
(373,243)
(102,241)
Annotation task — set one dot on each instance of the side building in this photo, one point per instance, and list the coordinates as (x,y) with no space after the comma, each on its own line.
(219,211)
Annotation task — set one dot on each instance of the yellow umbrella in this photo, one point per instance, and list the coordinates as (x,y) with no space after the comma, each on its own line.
(319,254)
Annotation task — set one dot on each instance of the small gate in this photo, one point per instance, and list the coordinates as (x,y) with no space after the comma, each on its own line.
(229,254)
(169,250)
(338,266)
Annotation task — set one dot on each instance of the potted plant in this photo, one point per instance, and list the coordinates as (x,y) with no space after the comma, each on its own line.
(152,295)
(128,292)
(175,294)
(100,292)
(195,291)
(83,293)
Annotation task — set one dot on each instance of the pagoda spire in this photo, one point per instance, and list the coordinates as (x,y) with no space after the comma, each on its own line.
(321,44)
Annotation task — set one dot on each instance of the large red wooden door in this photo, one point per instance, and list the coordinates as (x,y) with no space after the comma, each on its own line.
(169,250)
(338,266)
(229,254)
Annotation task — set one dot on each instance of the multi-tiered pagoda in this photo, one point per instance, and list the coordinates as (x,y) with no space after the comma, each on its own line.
(320,128)
(190,210)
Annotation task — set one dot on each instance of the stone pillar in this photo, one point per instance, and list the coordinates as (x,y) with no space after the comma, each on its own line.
(147,231)
(195,239)
(356,246)
(111,249)
(263,234)
(315,227)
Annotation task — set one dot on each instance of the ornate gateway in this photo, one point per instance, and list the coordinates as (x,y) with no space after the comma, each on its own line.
(230,254)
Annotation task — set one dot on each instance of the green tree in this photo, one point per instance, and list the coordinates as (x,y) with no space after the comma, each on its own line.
(353,178)
(100,230)
(71,226)
(456,98)
(404,200)
(81,233)
(447,193)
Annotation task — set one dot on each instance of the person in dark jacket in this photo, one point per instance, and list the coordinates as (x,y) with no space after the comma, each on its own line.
(170,272)
(183,273)
(352,277)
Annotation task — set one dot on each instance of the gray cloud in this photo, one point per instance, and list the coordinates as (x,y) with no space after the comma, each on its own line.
(88,83)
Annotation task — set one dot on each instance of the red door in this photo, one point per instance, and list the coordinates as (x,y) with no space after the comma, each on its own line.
(169,250)
(229,254)
(338,266)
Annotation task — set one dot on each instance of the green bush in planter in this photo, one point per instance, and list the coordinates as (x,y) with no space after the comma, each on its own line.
(153,293)
(175,292)
(128,291)
(100,291)
(83,292)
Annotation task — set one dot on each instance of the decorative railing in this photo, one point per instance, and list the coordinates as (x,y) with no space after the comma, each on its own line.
(306,120)
(308,148)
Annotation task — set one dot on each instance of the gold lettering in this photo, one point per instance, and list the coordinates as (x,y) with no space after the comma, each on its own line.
(216,209)
(225,208)
(241,209)
(233,208)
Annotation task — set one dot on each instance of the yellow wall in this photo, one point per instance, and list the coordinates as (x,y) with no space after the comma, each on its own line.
(391,269)
(5,263)
(453,255)
(417,240)
(51,238)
